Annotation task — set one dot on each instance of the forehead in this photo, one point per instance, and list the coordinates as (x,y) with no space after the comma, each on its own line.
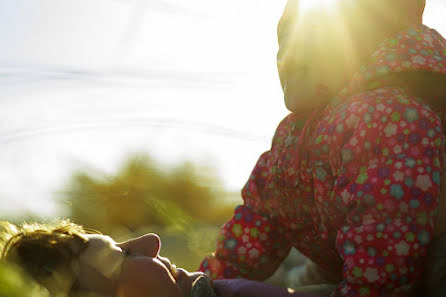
(100,247)
(289,14)
(101,255)
(294,19)
(298,24)
(100,239)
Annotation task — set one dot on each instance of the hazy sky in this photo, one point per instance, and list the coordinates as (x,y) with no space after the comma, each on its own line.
(83,83)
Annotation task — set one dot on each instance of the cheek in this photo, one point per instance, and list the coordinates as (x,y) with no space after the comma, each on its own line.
(143,277)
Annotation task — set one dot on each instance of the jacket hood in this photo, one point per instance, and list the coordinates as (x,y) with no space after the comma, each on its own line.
(414,59)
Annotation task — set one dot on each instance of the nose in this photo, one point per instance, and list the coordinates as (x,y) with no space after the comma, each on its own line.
(147,245)
(151,244)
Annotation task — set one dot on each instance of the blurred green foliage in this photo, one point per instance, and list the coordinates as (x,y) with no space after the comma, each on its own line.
(14,283)
(184,204)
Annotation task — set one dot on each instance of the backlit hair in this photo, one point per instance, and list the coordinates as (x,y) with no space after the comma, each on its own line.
(44,251)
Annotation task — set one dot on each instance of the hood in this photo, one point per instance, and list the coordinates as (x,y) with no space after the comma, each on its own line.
(414,59)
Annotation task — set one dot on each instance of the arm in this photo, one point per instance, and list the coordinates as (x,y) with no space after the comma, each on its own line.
(388,183)
(250,245)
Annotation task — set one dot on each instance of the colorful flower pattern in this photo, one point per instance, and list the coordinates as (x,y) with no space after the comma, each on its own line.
(362,200)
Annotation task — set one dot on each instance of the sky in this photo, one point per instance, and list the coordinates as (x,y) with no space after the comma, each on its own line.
(84,83)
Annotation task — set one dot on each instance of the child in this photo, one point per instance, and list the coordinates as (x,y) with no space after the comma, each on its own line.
(71,261)
(351,182)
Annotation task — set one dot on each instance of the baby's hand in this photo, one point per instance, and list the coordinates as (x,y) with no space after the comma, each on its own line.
(202,287)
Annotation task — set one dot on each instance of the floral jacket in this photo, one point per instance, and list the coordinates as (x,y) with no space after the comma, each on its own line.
(355,186)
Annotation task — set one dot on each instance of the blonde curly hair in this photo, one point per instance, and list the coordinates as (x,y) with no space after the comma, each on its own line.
(45,251)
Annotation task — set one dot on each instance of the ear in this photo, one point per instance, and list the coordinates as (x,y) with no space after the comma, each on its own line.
(147,245)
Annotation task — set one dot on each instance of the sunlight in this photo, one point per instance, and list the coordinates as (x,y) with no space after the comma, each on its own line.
(306,5)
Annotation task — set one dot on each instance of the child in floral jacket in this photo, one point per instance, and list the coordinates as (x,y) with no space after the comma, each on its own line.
(351,182)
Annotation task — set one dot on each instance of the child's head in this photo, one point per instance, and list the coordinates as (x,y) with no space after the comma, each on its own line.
(67,259)
(44,251)
(322,43)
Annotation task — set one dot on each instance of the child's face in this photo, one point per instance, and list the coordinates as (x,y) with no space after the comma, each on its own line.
(314,59)
(105,268)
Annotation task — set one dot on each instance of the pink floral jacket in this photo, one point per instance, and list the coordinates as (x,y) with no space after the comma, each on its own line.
(355,186)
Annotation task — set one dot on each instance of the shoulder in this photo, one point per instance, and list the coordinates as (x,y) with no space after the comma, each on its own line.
(381,107)
(377,123)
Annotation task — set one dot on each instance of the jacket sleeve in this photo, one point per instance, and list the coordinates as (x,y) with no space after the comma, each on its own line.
(253,244)
(250,245)
(388,179)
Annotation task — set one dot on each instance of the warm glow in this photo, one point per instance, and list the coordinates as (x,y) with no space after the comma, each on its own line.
(306,5)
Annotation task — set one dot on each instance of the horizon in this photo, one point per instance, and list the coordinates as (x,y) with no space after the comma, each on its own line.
(86,83)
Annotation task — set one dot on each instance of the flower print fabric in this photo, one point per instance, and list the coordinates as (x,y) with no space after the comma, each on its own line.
(362,199)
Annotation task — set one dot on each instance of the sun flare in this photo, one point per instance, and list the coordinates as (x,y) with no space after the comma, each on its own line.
(306,5)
